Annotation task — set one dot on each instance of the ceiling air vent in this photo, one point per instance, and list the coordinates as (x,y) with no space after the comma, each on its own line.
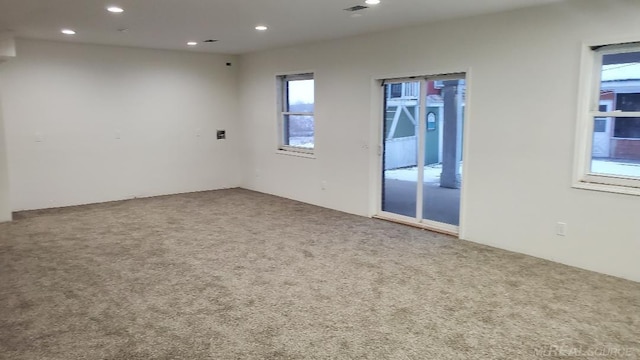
(356,8)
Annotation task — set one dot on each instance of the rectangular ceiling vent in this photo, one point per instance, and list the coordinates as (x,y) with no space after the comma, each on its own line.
(356,8)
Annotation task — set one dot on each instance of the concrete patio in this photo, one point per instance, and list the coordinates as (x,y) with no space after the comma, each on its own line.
(439,204)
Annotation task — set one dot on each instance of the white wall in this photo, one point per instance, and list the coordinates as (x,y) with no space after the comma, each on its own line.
(5,204)
(7,46)
(64,103)
(7,52)
(522,112)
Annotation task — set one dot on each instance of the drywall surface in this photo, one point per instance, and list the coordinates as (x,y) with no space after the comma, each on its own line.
(7,46)
(523,69)
(5,203)
(7,52)
(89,123)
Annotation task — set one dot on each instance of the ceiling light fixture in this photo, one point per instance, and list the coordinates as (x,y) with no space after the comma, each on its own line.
(372,2)
(115,9)
(68,32)
(192,43)
(261,28)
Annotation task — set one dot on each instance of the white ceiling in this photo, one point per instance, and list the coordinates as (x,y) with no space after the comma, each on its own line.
(169,24)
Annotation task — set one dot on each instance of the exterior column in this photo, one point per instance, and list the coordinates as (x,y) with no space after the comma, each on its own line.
(452,137)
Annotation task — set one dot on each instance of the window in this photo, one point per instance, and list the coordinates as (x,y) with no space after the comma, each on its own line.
(600,124)
(296,118)
(628,127)
(608,146)
(431,121)
(395,91)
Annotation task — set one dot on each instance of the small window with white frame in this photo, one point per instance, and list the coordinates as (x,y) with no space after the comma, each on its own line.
(608,143)
(296,120)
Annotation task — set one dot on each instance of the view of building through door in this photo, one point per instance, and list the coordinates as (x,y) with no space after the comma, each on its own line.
(443,160)
(401,128)
(422,150)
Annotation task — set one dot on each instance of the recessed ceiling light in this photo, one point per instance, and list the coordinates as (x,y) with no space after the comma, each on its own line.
(372,2)
(68,32)
(115,9)
(192,43)
(261,28)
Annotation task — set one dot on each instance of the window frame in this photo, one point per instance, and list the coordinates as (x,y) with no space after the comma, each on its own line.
(588,110)
(283,102)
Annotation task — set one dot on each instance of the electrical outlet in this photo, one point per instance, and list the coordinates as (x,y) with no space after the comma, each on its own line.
(561,229)
(222,134)
(323,185)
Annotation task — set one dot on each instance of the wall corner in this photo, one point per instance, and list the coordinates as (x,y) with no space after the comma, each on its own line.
(7,51)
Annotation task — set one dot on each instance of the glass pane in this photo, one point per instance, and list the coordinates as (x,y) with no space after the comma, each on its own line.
(396,90)
(401,121)
(616,141)
(628,128)
(613,155)
(299,131)
(300,96)
(620,77)
(443,151)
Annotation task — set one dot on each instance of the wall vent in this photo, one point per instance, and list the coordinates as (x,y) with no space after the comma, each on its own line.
(356,8)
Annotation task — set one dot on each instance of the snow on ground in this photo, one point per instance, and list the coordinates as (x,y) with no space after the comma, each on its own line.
(615,168)
(301,141)
(432,172)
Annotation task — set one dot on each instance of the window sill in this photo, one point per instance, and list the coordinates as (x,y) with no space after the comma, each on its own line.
(617,189)
(301,154)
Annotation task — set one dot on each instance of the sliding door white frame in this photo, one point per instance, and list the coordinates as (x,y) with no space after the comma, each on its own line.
(378,173)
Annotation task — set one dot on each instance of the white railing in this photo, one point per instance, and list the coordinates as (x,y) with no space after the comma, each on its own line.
(411,90)
(400,152)
(408,91)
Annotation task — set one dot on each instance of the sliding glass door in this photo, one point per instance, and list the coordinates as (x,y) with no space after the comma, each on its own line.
(422,150)
(401,128)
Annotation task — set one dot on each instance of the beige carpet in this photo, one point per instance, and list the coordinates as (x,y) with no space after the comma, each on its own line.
(235,274)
